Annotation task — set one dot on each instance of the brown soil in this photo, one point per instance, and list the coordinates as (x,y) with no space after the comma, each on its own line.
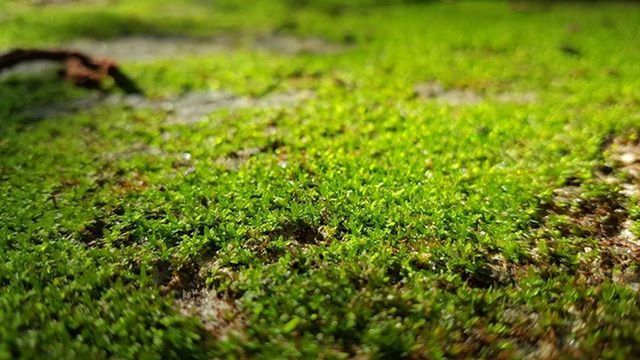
(615,253)
(220,316)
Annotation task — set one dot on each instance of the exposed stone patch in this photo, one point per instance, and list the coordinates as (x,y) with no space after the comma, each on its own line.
(190,107)
(150,48)
(146,48)
(193,107)
(292,45)
(526,97)
(285,98)
(434,90)
(185,108)
(220,316)
(455,97)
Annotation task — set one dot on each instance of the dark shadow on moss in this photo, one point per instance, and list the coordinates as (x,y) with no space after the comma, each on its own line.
(20,94)
(299,230)
(101,25)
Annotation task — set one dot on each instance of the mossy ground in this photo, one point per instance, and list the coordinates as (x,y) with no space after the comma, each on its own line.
(365,221)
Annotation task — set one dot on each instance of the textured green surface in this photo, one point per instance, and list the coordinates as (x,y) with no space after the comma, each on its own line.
(368,220)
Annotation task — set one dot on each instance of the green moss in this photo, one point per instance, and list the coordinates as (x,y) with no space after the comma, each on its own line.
(365,220)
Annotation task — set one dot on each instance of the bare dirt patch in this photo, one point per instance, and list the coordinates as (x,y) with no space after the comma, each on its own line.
(625,154)
(220,316)
(92,233)
(598,217)
(584,231)
(616,250)
(290,237)
(601,226)
(300,231)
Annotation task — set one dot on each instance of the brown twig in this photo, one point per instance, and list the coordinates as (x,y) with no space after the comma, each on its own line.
(81,69)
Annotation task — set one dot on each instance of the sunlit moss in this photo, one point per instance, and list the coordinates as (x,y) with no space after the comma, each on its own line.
(367,219)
